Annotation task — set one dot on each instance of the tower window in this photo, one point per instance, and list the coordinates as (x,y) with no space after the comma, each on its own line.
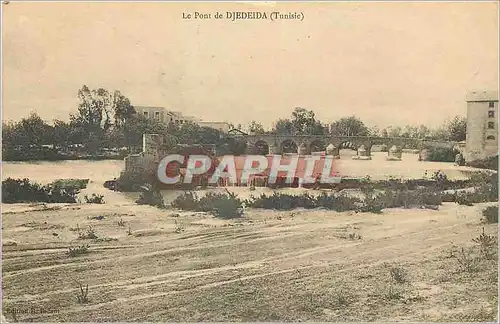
(157,114)
(491,114)
(491,125)
(145,114)
(492,104)
(491,137)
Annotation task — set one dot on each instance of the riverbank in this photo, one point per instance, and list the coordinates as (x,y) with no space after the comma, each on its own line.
(148,264)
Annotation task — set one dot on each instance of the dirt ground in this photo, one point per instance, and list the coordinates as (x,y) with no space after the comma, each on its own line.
(307,265)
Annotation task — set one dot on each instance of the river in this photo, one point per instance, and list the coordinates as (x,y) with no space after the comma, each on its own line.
(100,171)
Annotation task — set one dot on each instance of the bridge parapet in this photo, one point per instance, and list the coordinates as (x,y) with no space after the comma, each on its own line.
(276,141)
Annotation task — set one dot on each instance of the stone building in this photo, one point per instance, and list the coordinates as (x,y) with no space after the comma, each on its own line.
(482,125)
(168,116)
(164,115)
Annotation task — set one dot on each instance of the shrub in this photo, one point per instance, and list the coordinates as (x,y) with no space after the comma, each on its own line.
(466,261)
(442,154)
(398,274)
(490,214)
(343,297)
(281,201)
(221,205)
(490,163)
(187,201)
(372,204)
(393,293)
(88,234)
(82,294)
(79,250)
(71,183)
(486,245)
(410,198)
(179,228)
(227,206)
(152,197)
(94,199)
(22,190)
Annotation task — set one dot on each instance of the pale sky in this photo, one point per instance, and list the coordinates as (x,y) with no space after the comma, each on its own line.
(387,63)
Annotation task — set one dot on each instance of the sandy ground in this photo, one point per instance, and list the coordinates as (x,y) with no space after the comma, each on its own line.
(312,265)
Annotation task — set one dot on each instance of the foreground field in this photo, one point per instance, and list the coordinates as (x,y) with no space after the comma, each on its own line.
(314,265)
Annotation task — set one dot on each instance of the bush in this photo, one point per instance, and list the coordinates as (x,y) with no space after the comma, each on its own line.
(227,206)
(222,205)
(151,196)
(487,245)
(372,204)
(399,274)
(490,214)
(281,201)
(76,251)
(71,183)
(88,234)
(490,163)
(410,198)
(187,201)
(22,190)
(442,154)
(94,199)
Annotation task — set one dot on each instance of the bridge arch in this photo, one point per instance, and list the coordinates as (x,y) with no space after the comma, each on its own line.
(261,147)
(288,145)
(318,145)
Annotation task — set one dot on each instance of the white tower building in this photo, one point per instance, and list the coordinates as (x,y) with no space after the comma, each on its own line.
(482,125)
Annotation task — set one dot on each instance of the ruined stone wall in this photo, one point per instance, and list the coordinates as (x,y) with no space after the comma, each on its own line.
(145,163)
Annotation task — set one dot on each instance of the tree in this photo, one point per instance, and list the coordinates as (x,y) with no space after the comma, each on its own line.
(255,128)
(61,134)
(305,123)
(94,110)
(35,131)
(123,109)
(374,131)
(284,127)
(394,131)
(384,133)
(456,129)
(349,126)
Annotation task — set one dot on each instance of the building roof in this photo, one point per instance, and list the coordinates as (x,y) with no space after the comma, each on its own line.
(236,131)
(482,95)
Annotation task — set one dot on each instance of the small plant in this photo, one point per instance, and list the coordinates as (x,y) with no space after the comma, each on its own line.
(129,231)
(354,236)
(88,234)
(94,199)
(398,274)
(486,245)
(179,228)
(490,214)
(393,293)
(466,262)
(75,229)
(342,297)
(121,223)
(79,250)
(82,294)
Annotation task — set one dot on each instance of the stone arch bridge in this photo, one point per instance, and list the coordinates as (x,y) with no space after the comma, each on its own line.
(305,144)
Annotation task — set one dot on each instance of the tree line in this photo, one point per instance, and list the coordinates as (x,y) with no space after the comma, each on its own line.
(108,120)
(304,122)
